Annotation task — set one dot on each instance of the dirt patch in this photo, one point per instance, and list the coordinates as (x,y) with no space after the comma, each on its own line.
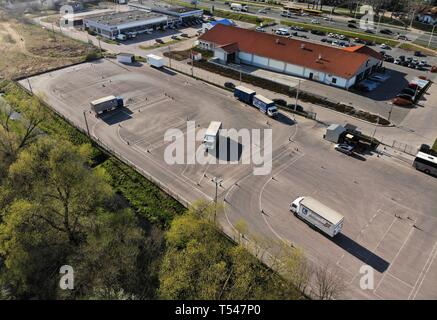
(27,49)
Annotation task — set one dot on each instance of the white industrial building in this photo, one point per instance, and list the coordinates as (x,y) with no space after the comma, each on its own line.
(110,25)
(174,13)
(340,67)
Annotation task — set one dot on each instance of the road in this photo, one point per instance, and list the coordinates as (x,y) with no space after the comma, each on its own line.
(338,22)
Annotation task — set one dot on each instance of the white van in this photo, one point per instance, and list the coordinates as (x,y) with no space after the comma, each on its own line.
(318,215)
(121,37)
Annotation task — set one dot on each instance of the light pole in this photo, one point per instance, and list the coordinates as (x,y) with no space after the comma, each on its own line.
(389,113)
(430,37)
(297,96)
(86,123)
(412,18)
(379,21)
(356,9)
(217,182)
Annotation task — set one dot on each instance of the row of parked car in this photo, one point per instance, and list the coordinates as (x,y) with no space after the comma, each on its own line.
(410,93)
(410,62)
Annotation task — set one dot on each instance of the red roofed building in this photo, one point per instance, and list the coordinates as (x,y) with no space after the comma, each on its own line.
(341,67)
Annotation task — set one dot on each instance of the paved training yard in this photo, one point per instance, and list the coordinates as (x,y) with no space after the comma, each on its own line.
(389,208)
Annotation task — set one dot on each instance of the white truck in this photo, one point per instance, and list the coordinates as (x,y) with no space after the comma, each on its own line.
(212,134)
(317,215)
(238,7)
(106,104)
(155,61)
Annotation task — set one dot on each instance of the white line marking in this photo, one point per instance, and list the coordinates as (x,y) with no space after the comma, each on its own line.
(424,272)
(394,259)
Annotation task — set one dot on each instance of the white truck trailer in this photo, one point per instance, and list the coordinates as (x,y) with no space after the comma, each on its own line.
(318,215)
(106,104)
(238,7)
(155,61)
(211,137)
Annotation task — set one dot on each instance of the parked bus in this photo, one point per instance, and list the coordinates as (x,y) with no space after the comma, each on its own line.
(426,163)
(317,215)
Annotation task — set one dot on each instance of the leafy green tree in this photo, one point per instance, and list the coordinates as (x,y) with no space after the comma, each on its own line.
(202,264)
(32,252)
(55,178)
(107,263)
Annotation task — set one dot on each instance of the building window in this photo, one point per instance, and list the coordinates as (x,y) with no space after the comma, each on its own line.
(334,80)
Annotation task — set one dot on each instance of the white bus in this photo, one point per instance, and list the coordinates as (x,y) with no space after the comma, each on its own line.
(426,163)
(211,137)
(318,215)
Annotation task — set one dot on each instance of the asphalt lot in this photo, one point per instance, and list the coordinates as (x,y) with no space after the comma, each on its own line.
(389,208)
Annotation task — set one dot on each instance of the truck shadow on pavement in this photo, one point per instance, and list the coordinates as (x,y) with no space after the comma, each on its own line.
(227,150)
(284,119)
(117,116)
(361,253)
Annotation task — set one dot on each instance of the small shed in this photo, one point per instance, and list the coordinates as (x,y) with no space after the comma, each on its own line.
(334,132)
(125,58)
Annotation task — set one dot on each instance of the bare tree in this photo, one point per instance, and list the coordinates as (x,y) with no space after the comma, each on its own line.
(328,283)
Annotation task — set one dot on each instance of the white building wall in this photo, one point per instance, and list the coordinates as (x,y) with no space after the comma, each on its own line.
(245,57)
(221,55)
(294,70)
(260,61)
(277,65)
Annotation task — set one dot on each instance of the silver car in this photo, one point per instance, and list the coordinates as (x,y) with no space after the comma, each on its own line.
(344,148)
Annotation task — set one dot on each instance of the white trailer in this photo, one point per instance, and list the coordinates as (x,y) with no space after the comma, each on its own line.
(211,137)
(125,58)
(106,104)
(318,215)
(155,61)
(238,7)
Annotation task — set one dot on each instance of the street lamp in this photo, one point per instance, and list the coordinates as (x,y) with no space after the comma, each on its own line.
(217,182)
(412,18)
(356,9)
(430,37)
(379,20)
(297,96)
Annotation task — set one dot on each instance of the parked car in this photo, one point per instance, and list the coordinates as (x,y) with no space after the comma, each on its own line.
(369,31)
(344,148)
(185,35)
(401,102)
(405,96)
(402,37)
(397,61)
(160,41)
(419,54)
(324,40)
(175,37)
(385,47)
(433,69)
(229,85)
(409,91)
(260,29)
(389,58)
(315,21)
